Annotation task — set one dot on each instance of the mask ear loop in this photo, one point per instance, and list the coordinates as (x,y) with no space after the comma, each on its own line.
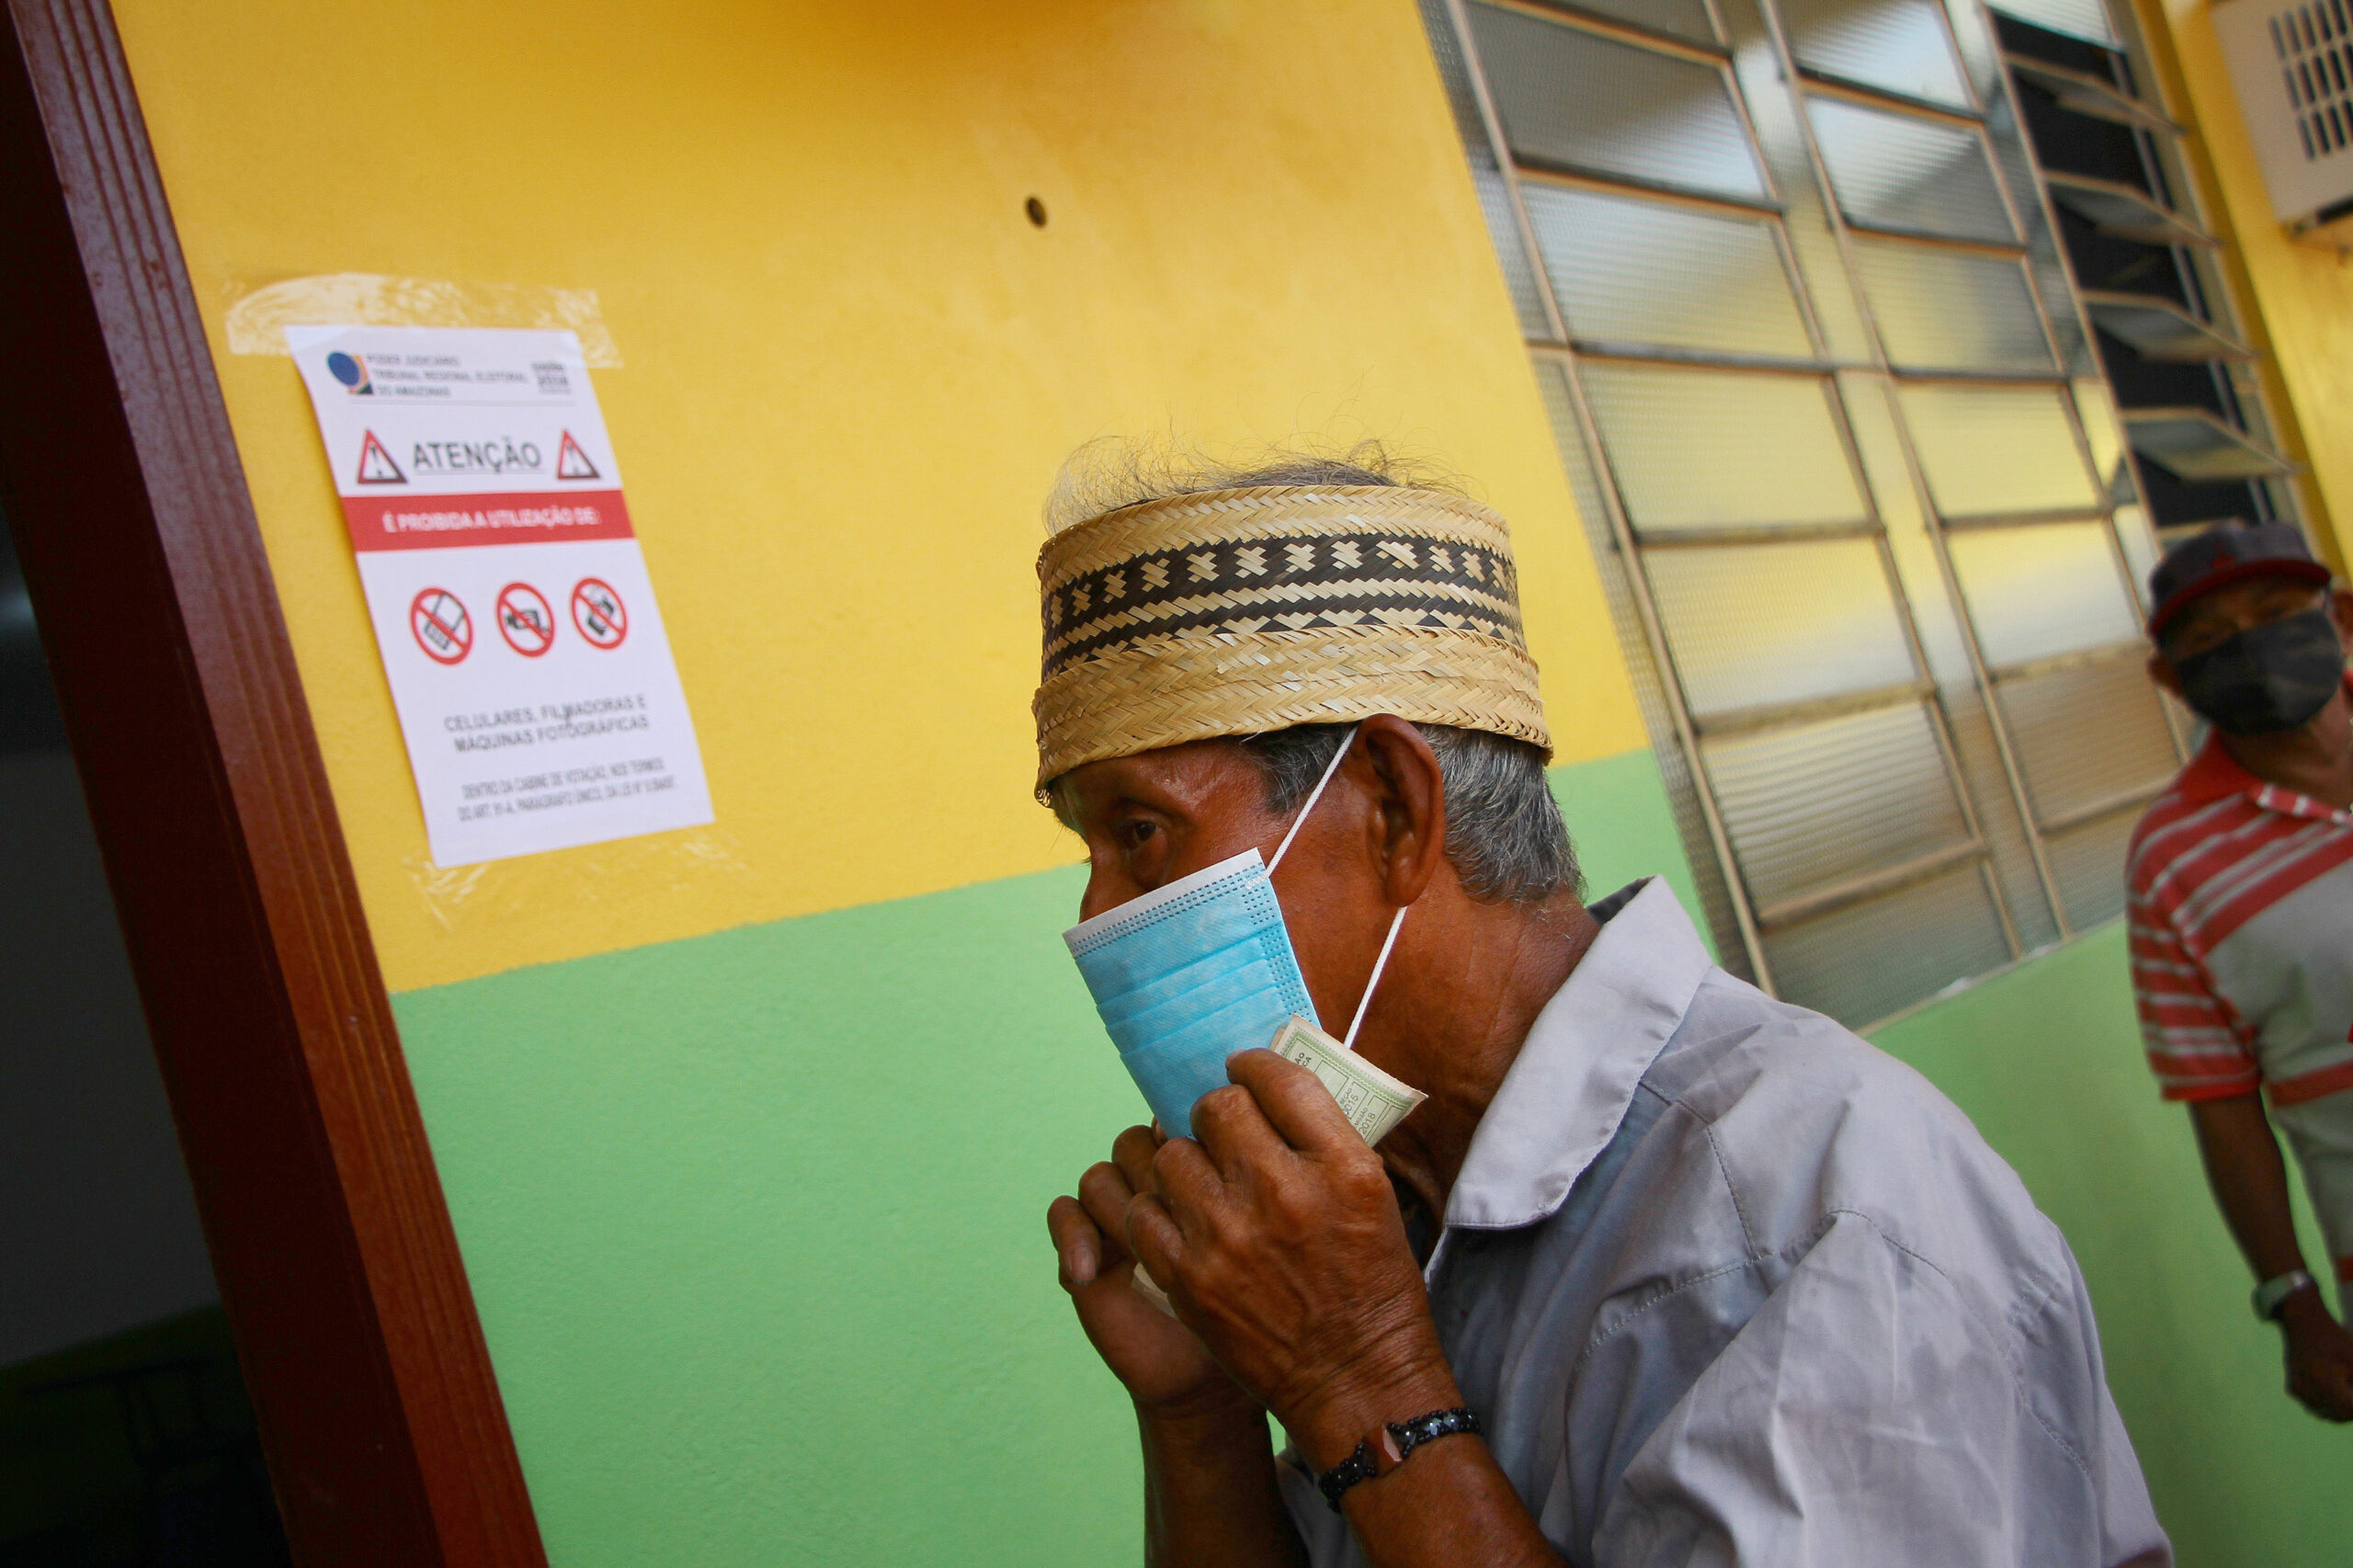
(1378,965)
(1312,796)
(1283,848)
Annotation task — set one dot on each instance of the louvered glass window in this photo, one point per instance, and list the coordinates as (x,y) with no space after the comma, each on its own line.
(1868,508)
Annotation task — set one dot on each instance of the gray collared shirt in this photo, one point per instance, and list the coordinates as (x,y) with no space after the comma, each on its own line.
(1728,1285)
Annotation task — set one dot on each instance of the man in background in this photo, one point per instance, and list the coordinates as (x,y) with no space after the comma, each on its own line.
(2242,913)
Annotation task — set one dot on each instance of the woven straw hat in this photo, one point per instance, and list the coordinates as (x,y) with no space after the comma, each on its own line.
(1233,612)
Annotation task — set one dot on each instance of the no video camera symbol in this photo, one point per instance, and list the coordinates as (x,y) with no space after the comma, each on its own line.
(525,620)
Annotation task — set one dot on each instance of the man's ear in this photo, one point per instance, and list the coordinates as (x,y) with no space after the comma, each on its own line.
(1411,795)
(2340,611)
(2161,670)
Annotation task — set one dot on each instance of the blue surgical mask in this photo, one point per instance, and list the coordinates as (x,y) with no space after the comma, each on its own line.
(1189,973)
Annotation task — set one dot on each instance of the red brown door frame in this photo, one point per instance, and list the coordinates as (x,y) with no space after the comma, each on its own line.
(386,1439)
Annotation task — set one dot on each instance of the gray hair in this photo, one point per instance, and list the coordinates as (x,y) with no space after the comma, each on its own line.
(1504,832)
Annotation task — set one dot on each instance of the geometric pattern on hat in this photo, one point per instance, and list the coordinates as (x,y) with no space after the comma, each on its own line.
(1232,612)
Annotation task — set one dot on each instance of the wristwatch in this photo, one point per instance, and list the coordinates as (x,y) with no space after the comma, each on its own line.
(2273,1293)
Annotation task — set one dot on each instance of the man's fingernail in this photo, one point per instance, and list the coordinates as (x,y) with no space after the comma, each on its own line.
(1082,1264)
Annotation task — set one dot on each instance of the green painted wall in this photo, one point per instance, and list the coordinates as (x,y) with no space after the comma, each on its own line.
(756,1223)
(2046,1059)
(1623,828)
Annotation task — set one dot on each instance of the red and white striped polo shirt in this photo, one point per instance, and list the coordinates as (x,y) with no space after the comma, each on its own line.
(2241,913)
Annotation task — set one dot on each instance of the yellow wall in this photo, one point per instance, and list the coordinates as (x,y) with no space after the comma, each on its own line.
(2302,291)
(850,367)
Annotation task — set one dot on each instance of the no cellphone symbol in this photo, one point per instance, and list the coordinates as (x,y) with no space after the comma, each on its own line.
(525,620)
(441,626)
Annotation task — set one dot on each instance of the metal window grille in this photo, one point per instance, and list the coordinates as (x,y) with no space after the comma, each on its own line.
(2164,328)
(2313,58)
(1828,398)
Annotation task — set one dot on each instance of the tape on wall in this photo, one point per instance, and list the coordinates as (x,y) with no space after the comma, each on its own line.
(258,314)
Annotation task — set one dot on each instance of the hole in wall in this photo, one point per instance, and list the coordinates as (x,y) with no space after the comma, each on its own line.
(1037,210)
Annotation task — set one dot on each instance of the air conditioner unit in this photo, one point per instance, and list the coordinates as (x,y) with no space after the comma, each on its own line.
(2292,65)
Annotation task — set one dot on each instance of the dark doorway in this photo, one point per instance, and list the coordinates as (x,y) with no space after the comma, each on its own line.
(125,1435)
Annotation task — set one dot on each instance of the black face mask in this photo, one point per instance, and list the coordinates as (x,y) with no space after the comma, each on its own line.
(2268,677)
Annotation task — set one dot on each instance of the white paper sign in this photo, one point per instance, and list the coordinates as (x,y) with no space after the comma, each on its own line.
(527,658)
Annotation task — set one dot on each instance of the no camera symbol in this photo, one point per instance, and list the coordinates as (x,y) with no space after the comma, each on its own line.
(599,612)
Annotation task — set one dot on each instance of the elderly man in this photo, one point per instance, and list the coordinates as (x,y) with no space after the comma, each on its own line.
(2242,911)
(1660,1270)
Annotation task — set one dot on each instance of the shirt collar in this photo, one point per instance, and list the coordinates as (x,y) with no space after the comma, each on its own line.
(2214,774)
(1568,1089)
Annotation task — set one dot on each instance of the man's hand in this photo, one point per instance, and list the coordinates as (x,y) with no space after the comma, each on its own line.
(1209,1489)
(1278,1237)
(1162,1363)
(2250,1182)
(2320,1357)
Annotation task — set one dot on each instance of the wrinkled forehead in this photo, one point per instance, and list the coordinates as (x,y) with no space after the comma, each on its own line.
(1213,778)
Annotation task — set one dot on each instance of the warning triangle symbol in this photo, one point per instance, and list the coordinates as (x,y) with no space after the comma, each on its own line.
(570,462)
(376,465)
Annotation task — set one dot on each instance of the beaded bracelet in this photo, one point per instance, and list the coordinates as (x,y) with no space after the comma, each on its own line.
(1398,1441)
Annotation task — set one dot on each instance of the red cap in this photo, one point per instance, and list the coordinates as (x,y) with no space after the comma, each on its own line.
(2224,555)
